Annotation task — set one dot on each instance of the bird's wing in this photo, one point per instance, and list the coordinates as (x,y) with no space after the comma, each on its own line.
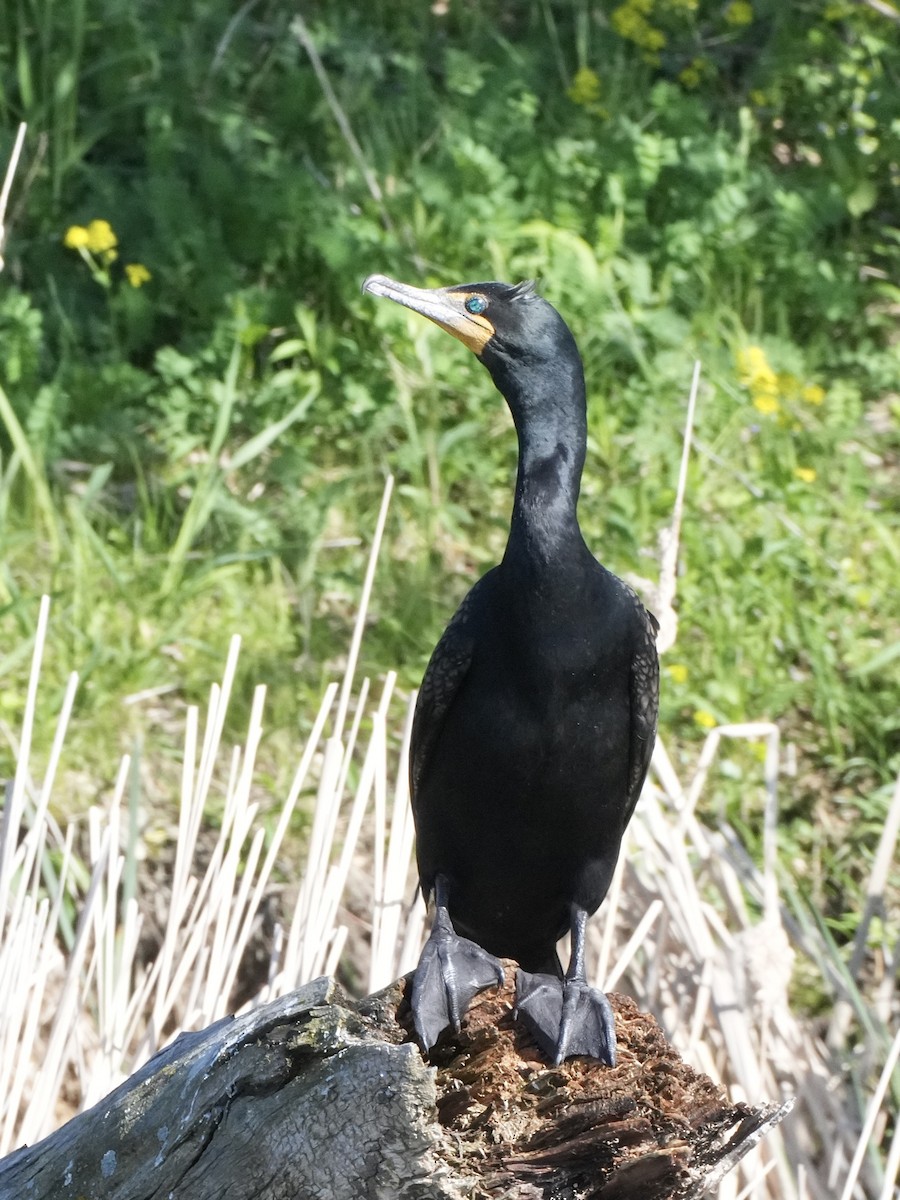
(444,674)
(644,705)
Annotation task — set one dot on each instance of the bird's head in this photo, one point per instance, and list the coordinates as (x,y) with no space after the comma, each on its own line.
(508,326)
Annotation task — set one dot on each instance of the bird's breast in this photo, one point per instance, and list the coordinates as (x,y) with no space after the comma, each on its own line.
(550,710)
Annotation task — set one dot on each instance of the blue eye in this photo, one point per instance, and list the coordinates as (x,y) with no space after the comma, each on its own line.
(476,304)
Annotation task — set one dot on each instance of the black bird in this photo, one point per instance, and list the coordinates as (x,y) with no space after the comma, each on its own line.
(537,715)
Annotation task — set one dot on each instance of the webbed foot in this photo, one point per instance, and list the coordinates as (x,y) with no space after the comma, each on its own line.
(451,971)
(566,1017)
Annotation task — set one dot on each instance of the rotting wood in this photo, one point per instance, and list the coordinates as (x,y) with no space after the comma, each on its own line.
(316,1095)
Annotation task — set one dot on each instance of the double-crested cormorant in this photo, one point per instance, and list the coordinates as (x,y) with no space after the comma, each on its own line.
(537,714)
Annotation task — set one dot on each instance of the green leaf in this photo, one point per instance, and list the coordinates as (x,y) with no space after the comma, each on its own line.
(256,445)
(878,661)
(862,198)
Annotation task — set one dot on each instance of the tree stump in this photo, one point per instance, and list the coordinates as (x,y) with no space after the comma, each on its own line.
(317,1095)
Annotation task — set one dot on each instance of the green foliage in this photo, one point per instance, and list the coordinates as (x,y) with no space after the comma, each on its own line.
(204,451)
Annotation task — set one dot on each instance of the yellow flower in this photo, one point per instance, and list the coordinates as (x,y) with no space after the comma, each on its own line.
(705,719)
(629,22)
(738,13)
(758,377)
(109,256)
(750,359)
(625,19)
(677,672)
(805,474)
(753,366)
(654,39)
(788,384)
(100,237)
(690,77)
(813,394)
(696,71)
(766,403)
(585,88)
(137,274)
(76,237)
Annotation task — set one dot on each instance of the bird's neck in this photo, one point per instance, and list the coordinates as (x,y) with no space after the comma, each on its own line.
(551,424)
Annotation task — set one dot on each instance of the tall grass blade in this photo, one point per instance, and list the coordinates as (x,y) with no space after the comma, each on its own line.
(34,472)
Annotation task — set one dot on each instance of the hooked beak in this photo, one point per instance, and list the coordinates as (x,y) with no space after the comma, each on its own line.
(444,306)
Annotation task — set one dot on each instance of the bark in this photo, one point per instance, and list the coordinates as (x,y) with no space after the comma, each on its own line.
(319,1096)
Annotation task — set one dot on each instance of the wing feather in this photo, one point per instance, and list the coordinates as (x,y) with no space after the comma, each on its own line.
(644,705)
(446,670)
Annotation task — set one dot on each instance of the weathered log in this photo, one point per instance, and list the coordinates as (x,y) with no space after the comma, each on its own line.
(316,1095)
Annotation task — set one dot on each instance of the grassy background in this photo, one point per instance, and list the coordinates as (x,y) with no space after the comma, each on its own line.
(205,453)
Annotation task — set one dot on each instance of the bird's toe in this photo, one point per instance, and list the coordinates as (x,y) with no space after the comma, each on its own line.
(587,1025)
(451,972)
(539,1000)
(566,1017)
